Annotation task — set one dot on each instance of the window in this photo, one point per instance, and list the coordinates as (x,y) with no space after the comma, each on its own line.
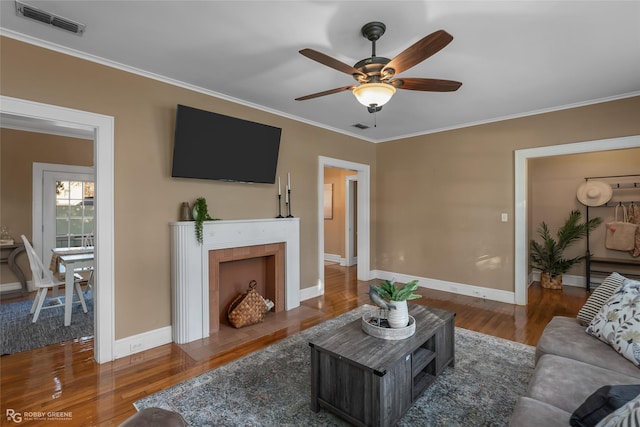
(75,212)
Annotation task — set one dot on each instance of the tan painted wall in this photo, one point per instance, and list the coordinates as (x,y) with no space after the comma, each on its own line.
(334,228)
(18,151)
(554,181)
(436,199)
(440,196)
(146,197)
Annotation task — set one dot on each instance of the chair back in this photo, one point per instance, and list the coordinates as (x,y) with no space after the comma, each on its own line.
(42,277)
(87,240)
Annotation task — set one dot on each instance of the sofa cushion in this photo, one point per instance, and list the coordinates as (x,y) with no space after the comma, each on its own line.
(598,297)
(618,322)
(530,412)
(563,336)
(566,383)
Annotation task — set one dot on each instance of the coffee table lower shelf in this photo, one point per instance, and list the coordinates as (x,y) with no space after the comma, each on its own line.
(370,381)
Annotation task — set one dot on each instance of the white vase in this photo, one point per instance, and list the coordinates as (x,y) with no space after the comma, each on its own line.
(398,317)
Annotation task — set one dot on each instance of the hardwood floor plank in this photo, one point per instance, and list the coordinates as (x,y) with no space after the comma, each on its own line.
(64,377)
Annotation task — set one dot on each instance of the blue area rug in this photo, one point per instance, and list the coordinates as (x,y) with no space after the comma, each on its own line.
(18,333)
(271,387)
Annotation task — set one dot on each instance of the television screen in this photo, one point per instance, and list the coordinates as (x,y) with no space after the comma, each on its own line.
(213,146)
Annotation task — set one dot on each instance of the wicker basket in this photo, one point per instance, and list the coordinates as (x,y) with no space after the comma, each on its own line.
(248,308)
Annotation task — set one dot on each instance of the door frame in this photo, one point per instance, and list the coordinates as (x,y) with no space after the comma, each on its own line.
(521,196)
(349,181)
(364,215)
(102,127)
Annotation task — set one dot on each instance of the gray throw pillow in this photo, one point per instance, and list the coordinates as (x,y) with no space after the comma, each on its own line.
(598,297)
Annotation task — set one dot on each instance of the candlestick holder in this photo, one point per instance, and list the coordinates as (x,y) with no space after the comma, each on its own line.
(289,204)
(279,206)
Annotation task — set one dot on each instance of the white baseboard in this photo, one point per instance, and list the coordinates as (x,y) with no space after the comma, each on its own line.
(311,292)
(335,258)
(453,287)
(141,342)
(6,287)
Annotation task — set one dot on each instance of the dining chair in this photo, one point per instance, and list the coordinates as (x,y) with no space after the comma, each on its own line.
(43,280)
(87,240)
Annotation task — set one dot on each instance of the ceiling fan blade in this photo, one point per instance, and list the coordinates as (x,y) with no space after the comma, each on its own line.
(419,51)
(330,62)
(326,92)
(431,85)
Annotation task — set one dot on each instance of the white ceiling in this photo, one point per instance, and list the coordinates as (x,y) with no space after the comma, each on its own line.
(513,57)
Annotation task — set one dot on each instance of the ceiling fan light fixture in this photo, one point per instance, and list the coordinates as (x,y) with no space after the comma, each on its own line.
(377,94)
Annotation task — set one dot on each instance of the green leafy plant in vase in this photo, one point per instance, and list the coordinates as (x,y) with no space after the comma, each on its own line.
(548,256)
(200,215)
(397,297)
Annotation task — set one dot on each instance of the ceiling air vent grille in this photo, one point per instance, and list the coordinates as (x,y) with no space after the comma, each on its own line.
(40,15)
(360,126)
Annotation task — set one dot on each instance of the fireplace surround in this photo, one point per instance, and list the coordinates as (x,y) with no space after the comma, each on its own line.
(190,266)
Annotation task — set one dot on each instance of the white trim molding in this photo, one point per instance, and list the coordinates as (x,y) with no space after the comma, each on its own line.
(364,216)
(141,342)
(452,287)
(102,127)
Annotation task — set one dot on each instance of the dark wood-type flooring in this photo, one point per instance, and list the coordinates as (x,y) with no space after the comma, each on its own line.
(64,377)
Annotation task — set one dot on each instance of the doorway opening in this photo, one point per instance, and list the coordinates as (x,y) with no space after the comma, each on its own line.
(521,269)
(45,118)
(340,216)
(361,206)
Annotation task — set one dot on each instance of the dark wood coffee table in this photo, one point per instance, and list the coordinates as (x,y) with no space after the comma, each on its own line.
(371,381)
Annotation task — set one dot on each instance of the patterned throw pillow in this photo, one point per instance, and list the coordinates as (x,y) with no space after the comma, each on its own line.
(598,297)
(625,416)
(618,322)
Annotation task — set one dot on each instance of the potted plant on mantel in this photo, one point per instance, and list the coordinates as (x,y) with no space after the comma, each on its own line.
(548,256)
(398,312)
(200,215)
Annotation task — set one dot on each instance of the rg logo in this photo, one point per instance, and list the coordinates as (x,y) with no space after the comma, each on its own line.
(14,416)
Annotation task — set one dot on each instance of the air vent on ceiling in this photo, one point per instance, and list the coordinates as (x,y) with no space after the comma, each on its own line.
(34,13)
(360,126)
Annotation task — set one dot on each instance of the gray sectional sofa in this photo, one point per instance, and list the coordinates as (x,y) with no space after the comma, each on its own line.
(570,366)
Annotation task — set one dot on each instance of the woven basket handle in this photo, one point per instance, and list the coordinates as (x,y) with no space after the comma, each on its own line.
(236,301)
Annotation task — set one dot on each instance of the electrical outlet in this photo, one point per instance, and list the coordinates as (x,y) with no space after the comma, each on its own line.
(135,347)
(504,217)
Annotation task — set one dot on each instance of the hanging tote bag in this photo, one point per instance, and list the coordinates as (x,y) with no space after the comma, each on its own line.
(634,217)
(621,235)
(248,308)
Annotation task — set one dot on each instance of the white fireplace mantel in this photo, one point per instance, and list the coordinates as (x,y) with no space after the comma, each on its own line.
(190,266)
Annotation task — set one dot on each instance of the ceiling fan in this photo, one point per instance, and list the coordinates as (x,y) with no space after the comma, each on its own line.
(376,76)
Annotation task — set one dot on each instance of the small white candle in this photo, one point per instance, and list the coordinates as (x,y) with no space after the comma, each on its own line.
(279,192)
(288,181)
(286,194)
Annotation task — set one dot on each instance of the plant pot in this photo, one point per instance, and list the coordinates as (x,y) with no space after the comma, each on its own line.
(398,317)
(551,283)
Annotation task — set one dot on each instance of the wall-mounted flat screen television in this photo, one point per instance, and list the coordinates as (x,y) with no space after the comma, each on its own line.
(214,146)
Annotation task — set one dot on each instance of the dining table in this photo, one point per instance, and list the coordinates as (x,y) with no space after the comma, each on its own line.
(72,259)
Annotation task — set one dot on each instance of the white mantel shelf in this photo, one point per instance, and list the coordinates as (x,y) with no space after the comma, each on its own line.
(190,266)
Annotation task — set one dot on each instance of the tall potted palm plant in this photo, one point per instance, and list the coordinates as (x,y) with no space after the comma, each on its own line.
(548,256)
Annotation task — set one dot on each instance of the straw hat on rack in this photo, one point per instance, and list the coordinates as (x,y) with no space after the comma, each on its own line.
(594,193)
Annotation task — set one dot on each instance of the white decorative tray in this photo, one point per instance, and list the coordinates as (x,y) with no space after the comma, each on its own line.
(387,333)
